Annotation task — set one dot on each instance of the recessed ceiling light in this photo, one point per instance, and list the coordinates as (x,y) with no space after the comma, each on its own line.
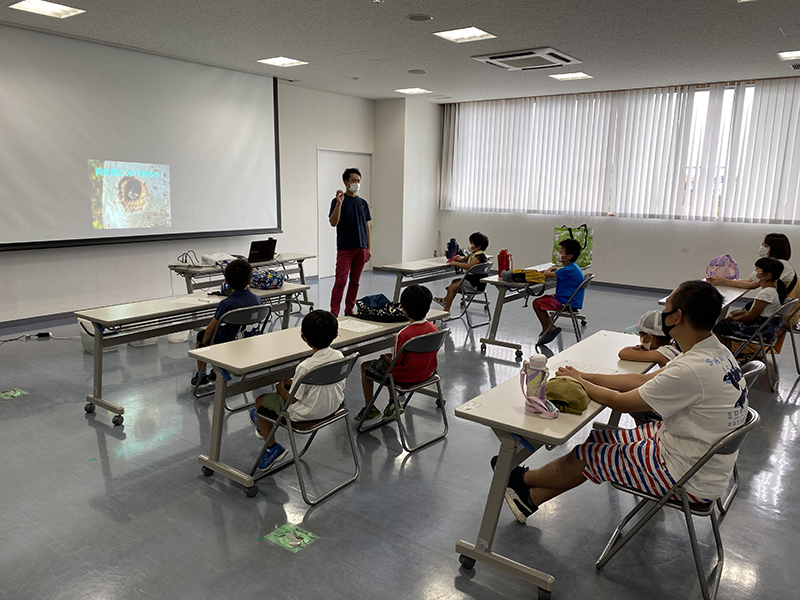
(789,55)
(48,9)
(411,91)
(419,17)
(740,1)
(282,61)
(417,72)
(467,34)
(570,76)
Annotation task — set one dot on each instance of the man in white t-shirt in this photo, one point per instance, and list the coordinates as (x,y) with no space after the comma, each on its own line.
(700,395)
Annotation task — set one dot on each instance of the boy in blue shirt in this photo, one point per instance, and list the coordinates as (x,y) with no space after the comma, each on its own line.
(237,275)
(568,279)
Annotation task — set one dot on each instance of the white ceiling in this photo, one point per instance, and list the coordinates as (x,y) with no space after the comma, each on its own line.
(623,43)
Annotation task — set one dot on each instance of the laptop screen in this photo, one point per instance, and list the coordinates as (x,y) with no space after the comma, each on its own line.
(262,250)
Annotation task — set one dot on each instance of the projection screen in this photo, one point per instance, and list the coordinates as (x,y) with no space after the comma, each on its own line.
(101,144)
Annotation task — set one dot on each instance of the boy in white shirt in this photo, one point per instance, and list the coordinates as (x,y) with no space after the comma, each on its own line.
(311,402)
(701,396)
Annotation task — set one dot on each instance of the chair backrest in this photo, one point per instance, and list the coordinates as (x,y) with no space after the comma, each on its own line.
(583,286)
(787,308)
(329,373)
(752,370)
(481,269)
(241,317)
(429,342)
(729,444)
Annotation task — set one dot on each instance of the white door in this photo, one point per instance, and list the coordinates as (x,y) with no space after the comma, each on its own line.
(330,166)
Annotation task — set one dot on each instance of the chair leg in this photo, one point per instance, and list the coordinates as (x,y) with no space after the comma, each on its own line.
(575,326)
(612,547)
(698,561)
(361,426)
(440,404)
(794,348)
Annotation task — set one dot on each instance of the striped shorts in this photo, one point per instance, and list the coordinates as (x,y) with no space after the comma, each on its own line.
(630,457)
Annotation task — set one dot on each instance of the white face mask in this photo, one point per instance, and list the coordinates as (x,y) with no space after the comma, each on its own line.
(763,252)
(647,345)
(559,259)
(354,188)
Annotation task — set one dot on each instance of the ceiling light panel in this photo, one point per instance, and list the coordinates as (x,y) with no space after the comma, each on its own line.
(282,61)
(412,91)
(467,34)
(48,9)
(570,76)
(794,55)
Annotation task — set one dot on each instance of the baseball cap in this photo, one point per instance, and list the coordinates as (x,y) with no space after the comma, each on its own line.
(650,322)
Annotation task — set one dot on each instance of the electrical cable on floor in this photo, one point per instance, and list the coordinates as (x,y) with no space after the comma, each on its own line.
(21,337)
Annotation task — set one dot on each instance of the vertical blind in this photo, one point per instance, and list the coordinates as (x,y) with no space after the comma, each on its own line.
(720,152)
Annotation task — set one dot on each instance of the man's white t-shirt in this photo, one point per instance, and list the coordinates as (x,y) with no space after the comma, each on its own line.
(317,401)
(701,396)
(770,296)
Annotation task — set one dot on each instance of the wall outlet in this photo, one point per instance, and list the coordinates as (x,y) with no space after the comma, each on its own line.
(435,253)
(685,250)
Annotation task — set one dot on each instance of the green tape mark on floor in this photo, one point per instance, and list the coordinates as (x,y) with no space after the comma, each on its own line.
(91,459)
(12,393)
(291,537)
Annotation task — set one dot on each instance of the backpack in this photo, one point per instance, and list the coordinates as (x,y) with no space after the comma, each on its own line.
(453,249)
(388,313)
(523,276)
(267,279)
(504,261)
(723,266)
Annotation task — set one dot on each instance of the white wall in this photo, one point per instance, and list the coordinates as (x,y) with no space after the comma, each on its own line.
(387,186)
(44,282)
(423,134)
(643,252)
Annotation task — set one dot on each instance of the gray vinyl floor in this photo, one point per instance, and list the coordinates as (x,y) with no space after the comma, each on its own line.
(90,511)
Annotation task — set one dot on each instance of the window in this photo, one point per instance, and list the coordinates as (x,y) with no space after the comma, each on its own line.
(714,153)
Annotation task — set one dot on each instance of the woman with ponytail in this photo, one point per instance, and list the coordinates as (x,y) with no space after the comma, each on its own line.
(743,323)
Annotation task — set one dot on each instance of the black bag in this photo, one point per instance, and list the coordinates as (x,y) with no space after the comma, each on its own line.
(388,313)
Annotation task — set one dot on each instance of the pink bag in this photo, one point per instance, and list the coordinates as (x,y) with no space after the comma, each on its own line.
(723,266)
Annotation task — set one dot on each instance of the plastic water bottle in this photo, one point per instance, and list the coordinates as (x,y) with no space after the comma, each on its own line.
(536,376)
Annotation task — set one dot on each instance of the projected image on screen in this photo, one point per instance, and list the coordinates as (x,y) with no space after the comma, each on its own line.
(129,195)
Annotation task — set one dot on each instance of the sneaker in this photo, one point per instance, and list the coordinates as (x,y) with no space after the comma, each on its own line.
(549,336)
(212,376)
(202,377)
(389,412)
(374,413)
(516,471)
(271,456)
(518,497)
(254,421)
(439,301)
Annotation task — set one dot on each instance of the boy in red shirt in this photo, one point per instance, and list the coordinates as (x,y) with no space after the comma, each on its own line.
(413,367)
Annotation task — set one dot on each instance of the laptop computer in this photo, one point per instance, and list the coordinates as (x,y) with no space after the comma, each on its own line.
(262,250)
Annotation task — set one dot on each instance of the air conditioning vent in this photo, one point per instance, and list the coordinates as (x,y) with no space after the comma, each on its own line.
(526,60)
(796,66)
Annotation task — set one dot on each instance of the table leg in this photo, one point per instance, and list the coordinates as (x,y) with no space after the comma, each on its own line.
(613,421)
(303,281)
(211,462)
(492,338)
(188,280)
(481,551)
(397,286)
(287,313)
(96,398)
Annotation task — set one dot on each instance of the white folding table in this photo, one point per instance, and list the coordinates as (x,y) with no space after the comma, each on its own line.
(503,409)
(123,323)
(507,291)
(268,358)
(729,293)
(203,277)
(421,271)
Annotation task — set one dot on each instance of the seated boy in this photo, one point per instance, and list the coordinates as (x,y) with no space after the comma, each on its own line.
(311,402)
(413,367)
(478,244)
(655,347)
(237,275)
(701,396)
(568,278)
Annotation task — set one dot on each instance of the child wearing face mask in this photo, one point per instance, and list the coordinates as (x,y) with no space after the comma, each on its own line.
(743,323)
(777,246)
(568,279)
(478,244)
(655,346)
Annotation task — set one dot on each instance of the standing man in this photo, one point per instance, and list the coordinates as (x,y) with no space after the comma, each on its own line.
(350,215)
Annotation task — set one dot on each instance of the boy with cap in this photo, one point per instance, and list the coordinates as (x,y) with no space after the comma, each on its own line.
(654,345)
